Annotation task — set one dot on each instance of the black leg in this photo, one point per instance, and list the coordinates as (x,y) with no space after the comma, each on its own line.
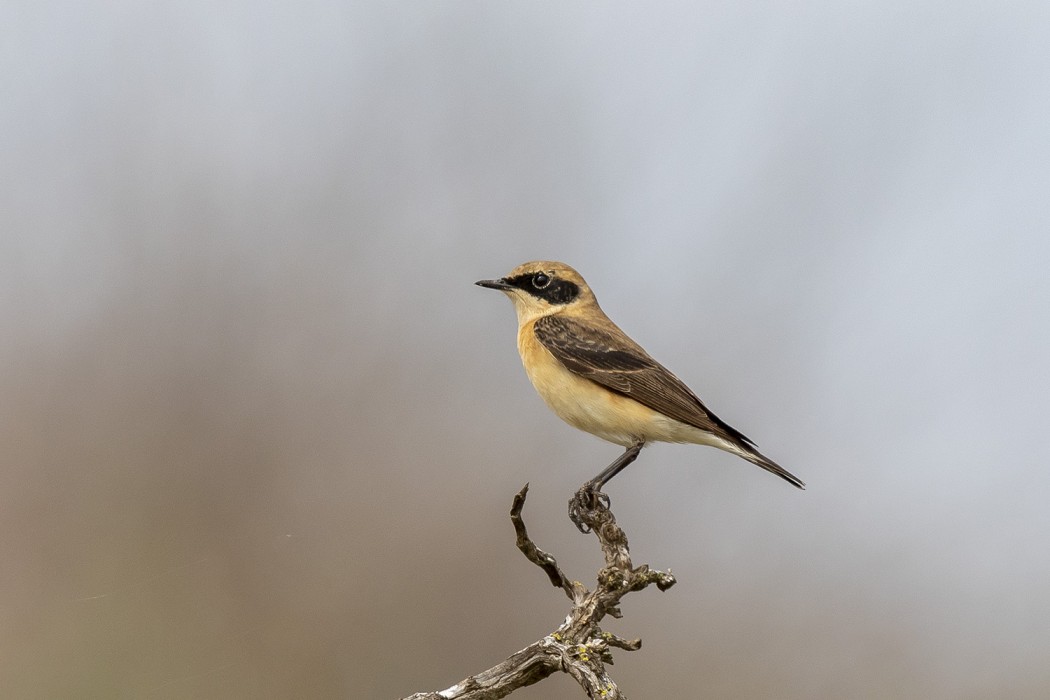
(590,496)
(618,465)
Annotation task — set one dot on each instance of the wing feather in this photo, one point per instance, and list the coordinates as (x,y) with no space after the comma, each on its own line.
(616,362)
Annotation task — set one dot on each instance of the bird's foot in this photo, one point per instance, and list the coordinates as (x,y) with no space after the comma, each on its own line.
(585,505)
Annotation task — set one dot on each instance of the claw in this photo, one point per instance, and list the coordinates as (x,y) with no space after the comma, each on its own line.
(577,520)
(587,500)
(602,499)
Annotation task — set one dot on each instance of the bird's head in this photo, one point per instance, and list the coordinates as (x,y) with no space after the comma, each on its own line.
(543,287)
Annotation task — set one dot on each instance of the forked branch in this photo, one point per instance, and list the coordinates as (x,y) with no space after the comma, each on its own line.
(578,647)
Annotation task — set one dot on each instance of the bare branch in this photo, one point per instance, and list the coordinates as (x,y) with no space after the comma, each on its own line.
(578,647)
(533,553)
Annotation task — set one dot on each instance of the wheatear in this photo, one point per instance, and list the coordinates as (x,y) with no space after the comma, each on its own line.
(597,379)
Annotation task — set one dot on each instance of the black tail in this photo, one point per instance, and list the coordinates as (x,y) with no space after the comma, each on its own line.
(755,457)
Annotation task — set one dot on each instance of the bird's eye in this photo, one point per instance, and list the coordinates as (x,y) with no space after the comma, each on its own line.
(540,280)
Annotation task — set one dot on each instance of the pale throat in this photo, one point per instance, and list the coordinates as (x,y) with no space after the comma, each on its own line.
(529,309)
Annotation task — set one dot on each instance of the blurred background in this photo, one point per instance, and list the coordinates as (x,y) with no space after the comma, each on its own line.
(259,432)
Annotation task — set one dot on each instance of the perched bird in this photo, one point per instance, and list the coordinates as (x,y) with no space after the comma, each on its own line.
(595,378)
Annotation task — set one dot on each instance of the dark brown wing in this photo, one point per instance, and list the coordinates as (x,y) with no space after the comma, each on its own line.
(618,363)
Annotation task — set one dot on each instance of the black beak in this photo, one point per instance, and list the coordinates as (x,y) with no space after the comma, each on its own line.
(494,284)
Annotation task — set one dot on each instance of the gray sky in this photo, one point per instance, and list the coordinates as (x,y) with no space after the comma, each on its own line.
(260,432)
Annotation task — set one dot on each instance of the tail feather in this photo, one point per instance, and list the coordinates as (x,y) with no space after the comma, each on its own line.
(755,457)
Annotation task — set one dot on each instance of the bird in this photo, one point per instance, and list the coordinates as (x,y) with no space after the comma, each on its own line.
(594,377)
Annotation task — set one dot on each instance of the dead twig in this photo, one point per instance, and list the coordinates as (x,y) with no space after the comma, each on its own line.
(578,646)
